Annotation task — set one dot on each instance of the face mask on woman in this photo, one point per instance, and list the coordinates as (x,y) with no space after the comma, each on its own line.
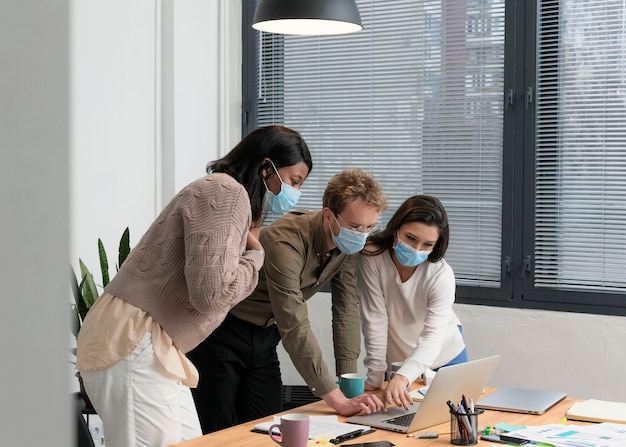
(283,201)
(348,241)
(408,256)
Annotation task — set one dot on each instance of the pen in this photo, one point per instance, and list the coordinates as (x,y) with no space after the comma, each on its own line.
(454,411)
(464,402)
(473,420)
(353,434)
(505,440)
(513,439)
(468,432)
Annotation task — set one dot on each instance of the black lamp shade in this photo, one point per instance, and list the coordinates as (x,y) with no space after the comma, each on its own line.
(307,17)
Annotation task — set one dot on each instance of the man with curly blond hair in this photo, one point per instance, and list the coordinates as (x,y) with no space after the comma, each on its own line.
(304,250)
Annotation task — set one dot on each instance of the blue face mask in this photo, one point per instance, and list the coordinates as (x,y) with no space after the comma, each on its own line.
(348,241)
(283,201)
(408,256)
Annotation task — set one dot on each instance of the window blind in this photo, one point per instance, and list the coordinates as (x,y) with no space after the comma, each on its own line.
(580,237)
(416,98)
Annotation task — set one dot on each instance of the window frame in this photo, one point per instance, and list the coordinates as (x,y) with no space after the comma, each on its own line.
(518,164)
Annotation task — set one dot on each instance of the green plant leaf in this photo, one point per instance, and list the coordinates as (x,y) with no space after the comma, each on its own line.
(88,285)
(79,307)
(124,248)
(86,292)
(75,318)
(104,263)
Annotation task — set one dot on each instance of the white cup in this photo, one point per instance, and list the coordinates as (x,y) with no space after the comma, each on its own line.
(395,366)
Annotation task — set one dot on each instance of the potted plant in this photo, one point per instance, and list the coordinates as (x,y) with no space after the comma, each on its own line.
(86,290)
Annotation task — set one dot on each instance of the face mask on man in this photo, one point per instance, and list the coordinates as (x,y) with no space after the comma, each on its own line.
(348,241)
(283,201)
(409,256)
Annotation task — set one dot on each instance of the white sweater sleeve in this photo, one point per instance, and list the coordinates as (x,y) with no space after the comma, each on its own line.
(411,322)
(439,322)
(374,320)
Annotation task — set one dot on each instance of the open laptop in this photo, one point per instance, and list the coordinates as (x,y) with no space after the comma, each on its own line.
(450,383)
(519,400)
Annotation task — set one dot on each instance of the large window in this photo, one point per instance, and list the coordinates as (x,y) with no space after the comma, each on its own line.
(513,113)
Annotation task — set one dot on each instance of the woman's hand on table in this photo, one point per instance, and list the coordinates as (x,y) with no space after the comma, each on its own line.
(396,392)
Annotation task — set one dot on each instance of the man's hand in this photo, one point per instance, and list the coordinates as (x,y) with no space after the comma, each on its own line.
(366,403)
(397,393)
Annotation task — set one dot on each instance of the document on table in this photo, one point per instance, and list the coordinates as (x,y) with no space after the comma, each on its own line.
(418,394)
(319,425)
(594,410)
(599,435)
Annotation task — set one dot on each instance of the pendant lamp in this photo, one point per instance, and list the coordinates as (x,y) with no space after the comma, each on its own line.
(307,17)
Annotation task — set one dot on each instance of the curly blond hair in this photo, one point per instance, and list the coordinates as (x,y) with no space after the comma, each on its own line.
(350,185)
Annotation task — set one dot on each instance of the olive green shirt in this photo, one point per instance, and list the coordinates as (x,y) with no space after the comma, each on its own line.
(297,264)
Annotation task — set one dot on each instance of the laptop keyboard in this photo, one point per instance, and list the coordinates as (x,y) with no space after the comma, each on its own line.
(403,421)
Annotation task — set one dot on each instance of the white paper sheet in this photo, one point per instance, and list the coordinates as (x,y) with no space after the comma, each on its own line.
(597,435)
(320,426)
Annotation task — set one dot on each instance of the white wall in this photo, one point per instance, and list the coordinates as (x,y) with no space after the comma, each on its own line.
(581,354)
(114,128)
(34,232)
(151,106)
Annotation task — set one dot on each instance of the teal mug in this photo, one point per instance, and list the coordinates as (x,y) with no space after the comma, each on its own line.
(352,384)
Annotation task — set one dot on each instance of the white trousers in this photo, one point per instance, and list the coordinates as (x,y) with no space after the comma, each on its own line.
(140,404)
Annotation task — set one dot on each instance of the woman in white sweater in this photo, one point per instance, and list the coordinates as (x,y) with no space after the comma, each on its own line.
(407,291)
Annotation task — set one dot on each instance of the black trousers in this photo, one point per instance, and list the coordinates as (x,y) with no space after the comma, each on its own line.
(239,375)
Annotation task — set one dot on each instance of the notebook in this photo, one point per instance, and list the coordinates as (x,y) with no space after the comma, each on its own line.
(520,400)
(594,410)
(450,383)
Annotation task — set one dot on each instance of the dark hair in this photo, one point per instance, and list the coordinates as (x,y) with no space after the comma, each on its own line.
(284,146)
(425,209)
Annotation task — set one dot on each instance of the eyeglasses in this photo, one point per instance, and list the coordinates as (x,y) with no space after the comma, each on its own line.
(360,229)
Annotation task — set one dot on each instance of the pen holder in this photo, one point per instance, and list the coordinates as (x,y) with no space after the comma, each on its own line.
(464,427)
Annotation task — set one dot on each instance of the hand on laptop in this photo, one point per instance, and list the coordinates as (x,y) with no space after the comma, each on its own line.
(366,403)
(397,392)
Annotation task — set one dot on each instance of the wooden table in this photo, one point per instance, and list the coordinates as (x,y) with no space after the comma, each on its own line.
(241,435)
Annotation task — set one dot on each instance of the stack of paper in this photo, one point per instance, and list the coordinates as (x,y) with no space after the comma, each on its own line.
(593,410)
(598,435)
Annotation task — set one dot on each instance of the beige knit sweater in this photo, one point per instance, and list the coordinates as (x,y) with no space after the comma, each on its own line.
(191,267)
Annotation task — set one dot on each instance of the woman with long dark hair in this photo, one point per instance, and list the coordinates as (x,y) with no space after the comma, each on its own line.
(199,258)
